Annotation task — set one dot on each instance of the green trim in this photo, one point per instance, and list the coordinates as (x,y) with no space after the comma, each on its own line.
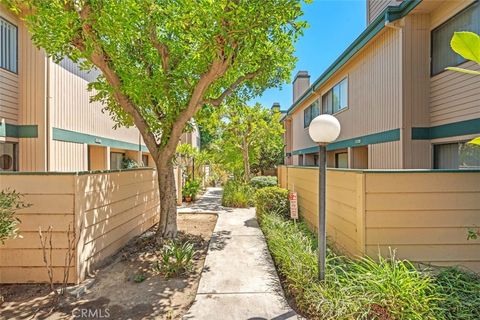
(380,137)
(78,137)
(393,170)
(454,129)
(18,131)
(389,14)
(305,151)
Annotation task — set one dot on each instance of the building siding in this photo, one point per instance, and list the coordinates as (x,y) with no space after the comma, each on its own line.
(374,89)
(32,67)
(72,110)
(454,96)
(8,97)
(68,156)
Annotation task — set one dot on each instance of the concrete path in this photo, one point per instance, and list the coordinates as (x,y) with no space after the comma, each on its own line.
(239,280)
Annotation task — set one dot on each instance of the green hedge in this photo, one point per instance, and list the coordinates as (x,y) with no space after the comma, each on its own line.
(272,199)
(238,195)
(263,182)
(365,288)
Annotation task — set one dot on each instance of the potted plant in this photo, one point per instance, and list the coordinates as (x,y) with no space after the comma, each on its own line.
(190,190)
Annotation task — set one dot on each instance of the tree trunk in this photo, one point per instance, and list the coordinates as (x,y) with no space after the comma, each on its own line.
(246,160)
(167,228)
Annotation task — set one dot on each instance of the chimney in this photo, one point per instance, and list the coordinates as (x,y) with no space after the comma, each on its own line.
(300,84)
(275,107)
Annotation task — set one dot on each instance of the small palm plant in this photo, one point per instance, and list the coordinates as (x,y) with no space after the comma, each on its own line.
(176,259)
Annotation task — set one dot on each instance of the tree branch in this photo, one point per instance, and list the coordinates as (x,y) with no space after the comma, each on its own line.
(101,59)
(162,50)
(217,101)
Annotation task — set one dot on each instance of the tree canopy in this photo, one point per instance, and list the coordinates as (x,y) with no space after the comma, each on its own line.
(161,61)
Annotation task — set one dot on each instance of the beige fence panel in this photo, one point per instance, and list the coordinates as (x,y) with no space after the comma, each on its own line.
(424,215)
(104,210)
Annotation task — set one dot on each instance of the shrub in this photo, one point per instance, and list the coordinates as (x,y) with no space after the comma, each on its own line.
(353,289)
(10,202)
(191,188)
(272,199)
(238,195)
(263,182)
(461,294)
(176,259)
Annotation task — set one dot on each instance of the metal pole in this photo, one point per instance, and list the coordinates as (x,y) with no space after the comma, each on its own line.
(322,238)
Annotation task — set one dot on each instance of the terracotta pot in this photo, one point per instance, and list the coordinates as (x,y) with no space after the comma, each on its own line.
(188,199)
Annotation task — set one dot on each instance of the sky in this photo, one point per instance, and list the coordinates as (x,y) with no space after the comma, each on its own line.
(334,25)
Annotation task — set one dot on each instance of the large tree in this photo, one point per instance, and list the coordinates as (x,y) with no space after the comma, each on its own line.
(163,60)
(249,136)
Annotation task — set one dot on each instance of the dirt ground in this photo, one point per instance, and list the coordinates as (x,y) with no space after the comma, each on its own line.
(115,294)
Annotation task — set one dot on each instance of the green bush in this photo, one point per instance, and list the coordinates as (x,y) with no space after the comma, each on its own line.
(364,288)
(238,195)
(10,202)
(263,182)
(177,259)
(272,199)
(191,188)
(461,294)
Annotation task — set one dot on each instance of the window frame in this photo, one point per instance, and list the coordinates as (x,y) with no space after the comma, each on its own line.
(308,110)
(15,160)
(16,45)
(330,92)
(432,74)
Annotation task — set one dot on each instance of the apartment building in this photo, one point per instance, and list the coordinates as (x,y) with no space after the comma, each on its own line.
(47,122)
(398,106)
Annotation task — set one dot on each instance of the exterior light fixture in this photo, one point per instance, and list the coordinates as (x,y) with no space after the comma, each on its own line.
(324,129)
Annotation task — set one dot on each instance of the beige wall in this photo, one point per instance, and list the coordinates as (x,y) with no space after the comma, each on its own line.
(71,108)
(424,215)
(112,208)
(8,97)
(105,210)
(52,198)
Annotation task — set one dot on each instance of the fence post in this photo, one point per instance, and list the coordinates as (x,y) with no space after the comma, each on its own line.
(360,225)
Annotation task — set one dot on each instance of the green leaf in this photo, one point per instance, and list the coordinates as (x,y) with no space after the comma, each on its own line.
(466,44)
(475,141)
(463,70)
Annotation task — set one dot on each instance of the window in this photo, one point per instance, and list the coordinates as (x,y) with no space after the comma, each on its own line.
(116,159)
(456,156)
(300,160)
(442,55)
(336,98)
(341,160)
(8,157)
(8,46)
(145,160)
(310,113)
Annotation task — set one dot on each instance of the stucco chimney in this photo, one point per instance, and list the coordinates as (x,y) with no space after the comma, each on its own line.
(300,84)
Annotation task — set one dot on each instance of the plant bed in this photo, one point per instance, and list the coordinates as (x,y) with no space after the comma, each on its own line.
(131,286)
(384,288)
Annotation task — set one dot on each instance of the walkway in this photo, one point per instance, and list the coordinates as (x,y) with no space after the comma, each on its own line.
(239,280)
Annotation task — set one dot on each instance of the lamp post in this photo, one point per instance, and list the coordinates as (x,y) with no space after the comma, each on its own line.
(324,129)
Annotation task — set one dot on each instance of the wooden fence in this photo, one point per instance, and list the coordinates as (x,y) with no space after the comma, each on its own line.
(104,210)
(424,215)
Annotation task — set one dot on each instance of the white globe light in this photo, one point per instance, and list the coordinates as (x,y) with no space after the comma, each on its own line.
(324,129)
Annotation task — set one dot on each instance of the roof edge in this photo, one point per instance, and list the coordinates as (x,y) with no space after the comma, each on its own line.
(389,14)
